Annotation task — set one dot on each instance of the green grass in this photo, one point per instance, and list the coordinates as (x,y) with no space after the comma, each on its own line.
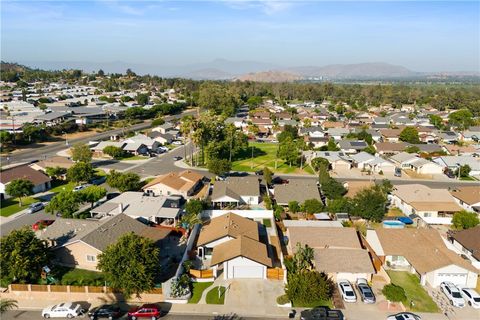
(212,296)
(414,291)
(267,223)
(264,155)
(319,303)
(81,277)
(129,157)
(60,185)
(11,206)
(197,291)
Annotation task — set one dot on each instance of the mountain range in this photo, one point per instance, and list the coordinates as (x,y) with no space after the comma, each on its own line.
(221,69)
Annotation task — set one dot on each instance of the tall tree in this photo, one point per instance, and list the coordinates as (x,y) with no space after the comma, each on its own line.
(55,172)
(65,202)
(22,256)
(128,181)
(462,119)
(92,194)
(19,188)
(81,153)
(139,261)
(370,204)
(410,135)
(80,172)
(465,220)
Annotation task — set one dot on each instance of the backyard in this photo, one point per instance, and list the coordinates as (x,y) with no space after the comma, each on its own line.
(264,155)
(80,277)
(11,206)
(415,293)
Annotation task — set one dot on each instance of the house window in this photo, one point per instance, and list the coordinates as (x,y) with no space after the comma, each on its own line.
(427,214)
(91,258)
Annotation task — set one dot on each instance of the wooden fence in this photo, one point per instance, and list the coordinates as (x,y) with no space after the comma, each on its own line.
(200,274)
(275,273)
(70,289)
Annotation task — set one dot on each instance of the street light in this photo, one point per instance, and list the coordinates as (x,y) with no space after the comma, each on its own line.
(66,140)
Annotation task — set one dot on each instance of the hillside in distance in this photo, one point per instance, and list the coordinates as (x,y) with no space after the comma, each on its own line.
(270,76)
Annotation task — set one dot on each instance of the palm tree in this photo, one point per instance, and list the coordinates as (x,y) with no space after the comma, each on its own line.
(7,304)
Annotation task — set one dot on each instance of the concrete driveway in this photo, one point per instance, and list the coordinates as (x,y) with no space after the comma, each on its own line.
(255,297)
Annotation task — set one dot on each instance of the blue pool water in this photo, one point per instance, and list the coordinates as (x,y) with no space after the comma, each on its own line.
(393,224)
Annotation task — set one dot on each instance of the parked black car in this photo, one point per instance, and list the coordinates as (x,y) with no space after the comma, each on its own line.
(98,181)
(259,173)
(321,313)
(109,311)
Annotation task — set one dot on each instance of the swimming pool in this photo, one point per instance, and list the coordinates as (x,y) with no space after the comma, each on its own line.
(389,224)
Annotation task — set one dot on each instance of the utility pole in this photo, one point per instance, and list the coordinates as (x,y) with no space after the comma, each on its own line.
(252,156)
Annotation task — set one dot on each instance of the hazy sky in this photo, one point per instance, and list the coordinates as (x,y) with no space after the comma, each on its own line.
(423,36)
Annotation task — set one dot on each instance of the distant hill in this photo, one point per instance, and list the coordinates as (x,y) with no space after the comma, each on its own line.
(355,71)
(208,74)
(8,66)
(270,76)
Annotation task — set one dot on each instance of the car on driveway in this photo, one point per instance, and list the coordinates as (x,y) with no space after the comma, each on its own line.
(453,294)
(177,158)
(150,311)
(109,311)
(63,310)
(365,291)
(404,316)
(346,291)
(472,297)
(41,224)
(34,207)
(321,313)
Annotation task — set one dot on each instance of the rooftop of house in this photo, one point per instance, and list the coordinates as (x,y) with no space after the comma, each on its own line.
(403,157)
(235,187)
(469,239)
(23,172)
(55,161)
(326,237)
(343,260)
(181,181)
(227,225)
(296,191)
(468,194)
(423,198)
(352,144)
(241,247)
(390,146)
(423,248)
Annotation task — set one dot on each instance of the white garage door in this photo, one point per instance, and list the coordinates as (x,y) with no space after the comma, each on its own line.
(255,272)
(459,279)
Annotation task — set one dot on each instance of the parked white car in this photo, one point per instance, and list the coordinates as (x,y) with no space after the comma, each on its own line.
(453,294)
(63,310)
(404,316)
(346,290)
(78,188)
(472,297)
(177,142)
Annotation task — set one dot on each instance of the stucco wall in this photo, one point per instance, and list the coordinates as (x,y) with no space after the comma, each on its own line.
(75,255)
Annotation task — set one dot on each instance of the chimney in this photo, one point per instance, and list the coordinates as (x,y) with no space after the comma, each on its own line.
(120,207)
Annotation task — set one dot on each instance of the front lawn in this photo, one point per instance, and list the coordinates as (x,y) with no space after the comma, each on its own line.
(264,155)
(213,298)
(132,157)
(267,223)
(414,291)
(60,185)
(197,291)
(78,277)
(11,206)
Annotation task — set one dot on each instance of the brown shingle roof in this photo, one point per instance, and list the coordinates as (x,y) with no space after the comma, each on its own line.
(241,247)
(343,260)
(182,181)
(53,162)
(470,239)
(23,172)
(390,146)
(229,224)
(423,248)
(470,195)
(326,237)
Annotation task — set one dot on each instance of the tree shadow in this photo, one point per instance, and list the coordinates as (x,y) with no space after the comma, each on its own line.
(230,316)
(247,153)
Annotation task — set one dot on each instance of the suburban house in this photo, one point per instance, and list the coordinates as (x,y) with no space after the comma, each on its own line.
(98,149)
(164,128)
(163,138)
(433,206)
(337,133)
(419,165)
(230,244)
(296,191)
(421,252)
(136,148)
(456,150)
(148,142)
(337,251)
(52,118)
(467,197)
(185,183)
(352,146)
(390,135)
(389,148)
(467,242)
(338,160)
(473,134)
(41,182)
(312,132)
(236,191)
(366,161)
(78,242)
(164,210)
(53,162)
(454,162)
(448,137)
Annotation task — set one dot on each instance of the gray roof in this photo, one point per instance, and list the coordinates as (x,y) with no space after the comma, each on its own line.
(296,191)
(403,156)
(235,187)
(67,230)
(311,129)
(52,116)
(104,144)
(133,146)
(362,157)
(427,147)
(352,144)
(111,230)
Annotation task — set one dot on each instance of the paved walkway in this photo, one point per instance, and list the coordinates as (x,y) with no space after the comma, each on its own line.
(14,216)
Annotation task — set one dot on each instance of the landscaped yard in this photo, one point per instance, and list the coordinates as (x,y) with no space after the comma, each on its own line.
(264,155)
(213,296)
(414,291)
(267,223)
(197,291)
(81,277)
(320,303)
(10,206)
(130,157)
(60,185)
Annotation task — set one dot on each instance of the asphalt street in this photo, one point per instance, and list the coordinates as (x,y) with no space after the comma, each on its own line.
(25,220)
(36,315)
(52,149)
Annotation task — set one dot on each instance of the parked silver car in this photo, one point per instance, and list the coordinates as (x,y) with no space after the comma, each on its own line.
(34,207)
(366,292)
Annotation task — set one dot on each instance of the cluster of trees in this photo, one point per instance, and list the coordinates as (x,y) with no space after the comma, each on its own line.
(219,143)
(465,220)
(410,135)
(67,202)
(308,206)
(305,285)
(127,181)
(155,111)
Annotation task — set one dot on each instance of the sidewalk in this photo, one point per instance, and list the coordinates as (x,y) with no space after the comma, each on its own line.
(4,220)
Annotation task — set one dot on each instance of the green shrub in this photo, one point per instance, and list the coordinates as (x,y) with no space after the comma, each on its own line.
(283,299)
(394,293)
